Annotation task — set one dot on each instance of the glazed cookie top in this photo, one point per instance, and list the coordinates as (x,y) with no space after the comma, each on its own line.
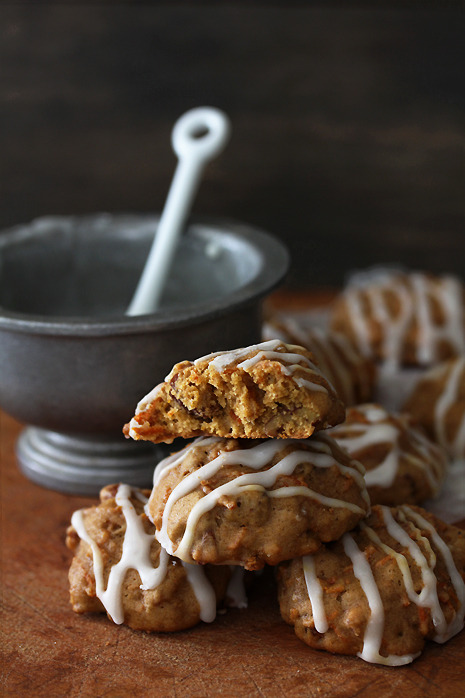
(119,538)
(437,403)
(268,390)
(352,374)
(403,318)
(255,502)
(402,464)
(395,580)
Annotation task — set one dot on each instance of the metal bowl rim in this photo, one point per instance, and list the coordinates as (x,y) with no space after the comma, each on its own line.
(275,265)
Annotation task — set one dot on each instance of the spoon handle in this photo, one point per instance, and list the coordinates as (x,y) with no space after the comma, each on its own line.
(197,137)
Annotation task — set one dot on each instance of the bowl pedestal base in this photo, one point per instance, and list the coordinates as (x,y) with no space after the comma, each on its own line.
(82,465)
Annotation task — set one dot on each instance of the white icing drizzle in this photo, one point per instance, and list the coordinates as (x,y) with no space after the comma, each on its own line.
(256,457)
(448,397)
(147,399)
(355,470)
(448,295)
(363,372)
(433,463)
(330,363)
(455,313)
(270,331)
(141,407)
(236,596)
(222,359)
(379,429)
(372,434)
(393,328)
(426,598)
(335,356)
(290,362)
(414,293)
(457,622)
(175,458)
(358,321)
(425,345)
(375,627)
(315,594)
(135,555)
(203,591)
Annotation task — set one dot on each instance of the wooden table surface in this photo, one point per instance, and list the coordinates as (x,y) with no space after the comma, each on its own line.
(50,651)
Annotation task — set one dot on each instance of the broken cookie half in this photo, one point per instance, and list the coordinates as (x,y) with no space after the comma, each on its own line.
(267,390)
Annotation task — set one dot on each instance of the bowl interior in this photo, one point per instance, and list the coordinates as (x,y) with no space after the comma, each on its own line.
(90,266)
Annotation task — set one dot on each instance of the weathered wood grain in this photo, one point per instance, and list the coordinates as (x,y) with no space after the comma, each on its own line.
(349,124)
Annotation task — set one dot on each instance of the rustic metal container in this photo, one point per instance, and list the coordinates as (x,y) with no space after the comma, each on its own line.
(74,365)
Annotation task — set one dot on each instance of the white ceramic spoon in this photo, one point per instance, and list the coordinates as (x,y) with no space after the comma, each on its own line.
(197,137)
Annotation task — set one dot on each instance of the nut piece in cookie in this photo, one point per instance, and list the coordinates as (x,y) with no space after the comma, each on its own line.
(400,318)
(268,390)
(437,403)
(403,466)
(252,502)
(382,590)
(349,372)
(119,567)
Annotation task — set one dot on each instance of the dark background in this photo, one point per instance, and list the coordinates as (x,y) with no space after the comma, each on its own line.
(348,121)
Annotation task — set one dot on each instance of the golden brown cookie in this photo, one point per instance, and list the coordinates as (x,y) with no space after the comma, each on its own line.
(119,567)
(403,466)
(350,373)
(269,390)
(403,318)
(255,502)
(437,402)
(380,591)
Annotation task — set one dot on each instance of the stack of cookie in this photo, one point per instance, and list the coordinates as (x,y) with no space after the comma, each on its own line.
(261,484)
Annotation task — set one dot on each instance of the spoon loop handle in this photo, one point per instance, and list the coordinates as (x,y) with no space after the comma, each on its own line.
(200,134)
(197,137)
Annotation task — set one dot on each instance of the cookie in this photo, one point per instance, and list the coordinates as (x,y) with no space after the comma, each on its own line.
(403,466)
(382,590)
(410,319)
(351,374)
(119,567)
(437,402)
(252,502)
(268,390)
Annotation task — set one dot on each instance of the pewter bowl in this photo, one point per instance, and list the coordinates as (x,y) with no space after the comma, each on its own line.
(74,366)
